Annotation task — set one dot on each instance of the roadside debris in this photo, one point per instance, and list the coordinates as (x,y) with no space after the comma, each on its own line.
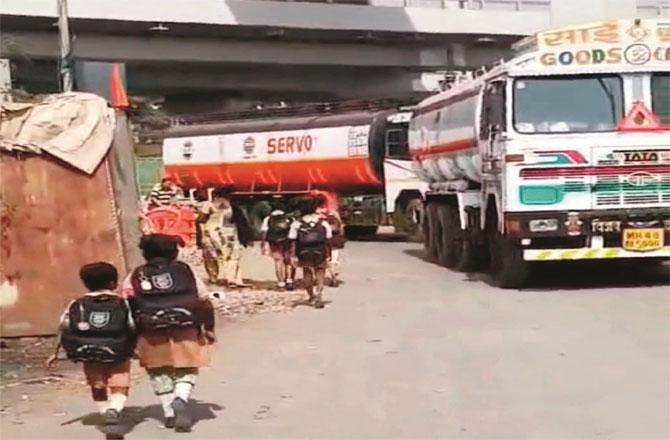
(258,298)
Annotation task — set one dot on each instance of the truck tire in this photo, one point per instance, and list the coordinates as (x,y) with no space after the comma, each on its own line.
(449,251)
(473,249)
(430,232)
(508,268)
(472,255)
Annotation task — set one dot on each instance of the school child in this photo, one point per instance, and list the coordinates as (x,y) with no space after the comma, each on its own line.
(275,230)
(336,244)
(310,248)
(175,322)
(98,330)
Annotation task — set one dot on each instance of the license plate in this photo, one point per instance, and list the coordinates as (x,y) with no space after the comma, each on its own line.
(642,239)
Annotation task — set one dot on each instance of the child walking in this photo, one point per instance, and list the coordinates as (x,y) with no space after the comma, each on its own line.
(175,326)
(98,330)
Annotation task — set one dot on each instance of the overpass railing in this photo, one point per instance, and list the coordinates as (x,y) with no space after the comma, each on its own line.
(510,5)
(652,8)
(646,8)
(290,110)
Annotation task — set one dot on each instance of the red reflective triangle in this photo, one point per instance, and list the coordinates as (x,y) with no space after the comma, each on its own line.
(639,118)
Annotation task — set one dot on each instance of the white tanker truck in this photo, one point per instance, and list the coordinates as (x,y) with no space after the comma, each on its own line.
(562,153)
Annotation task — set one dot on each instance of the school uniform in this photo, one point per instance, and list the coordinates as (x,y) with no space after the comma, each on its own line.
(172,356)
(112,377)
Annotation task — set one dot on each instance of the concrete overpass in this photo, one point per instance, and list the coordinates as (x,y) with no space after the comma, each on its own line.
(251,49)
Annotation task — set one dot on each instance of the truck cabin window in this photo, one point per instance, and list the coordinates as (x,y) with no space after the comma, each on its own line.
(568,104)
(493,110)
(397,146)
(660,96)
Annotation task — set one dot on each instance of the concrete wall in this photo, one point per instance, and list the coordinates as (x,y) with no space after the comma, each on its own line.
(568,12)
(292,15)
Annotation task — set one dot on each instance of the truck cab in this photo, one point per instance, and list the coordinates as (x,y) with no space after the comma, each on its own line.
(565,154)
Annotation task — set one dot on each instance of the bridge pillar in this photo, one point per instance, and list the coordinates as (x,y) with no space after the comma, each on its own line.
(569,12)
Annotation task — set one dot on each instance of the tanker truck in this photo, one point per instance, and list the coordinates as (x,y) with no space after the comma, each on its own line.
(561,153)
(359,155)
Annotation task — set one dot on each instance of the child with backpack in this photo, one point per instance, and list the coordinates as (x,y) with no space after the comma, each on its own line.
(336,243)
(98,330)
(275,230)
(310,249)
(175,321)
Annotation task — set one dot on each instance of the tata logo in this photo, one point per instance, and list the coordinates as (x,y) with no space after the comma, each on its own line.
(640,156)
(249,145)
(187,149)
(641,178)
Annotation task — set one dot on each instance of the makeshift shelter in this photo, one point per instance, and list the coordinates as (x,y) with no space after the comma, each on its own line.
(60,201)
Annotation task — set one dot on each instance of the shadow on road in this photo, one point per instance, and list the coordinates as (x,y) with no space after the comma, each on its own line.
(576,275)
(135,415)
(381,237)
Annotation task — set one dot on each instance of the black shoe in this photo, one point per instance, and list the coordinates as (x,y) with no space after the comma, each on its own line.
(113,430)
(169,422)
(318,304)
(111,417)
(290,286)
(183,420)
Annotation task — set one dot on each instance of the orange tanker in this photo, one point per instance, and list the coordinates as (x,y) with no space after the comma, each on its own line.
(343,154)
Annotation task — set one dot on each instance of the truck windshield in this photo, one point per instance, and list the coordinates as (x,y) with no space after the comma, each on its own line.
(660,96)
(567,104)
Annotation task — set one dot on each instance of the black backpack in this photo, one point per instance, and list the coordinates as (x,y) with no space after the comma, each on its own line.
(278,228)
(311,243)
(98,330)
(166,295)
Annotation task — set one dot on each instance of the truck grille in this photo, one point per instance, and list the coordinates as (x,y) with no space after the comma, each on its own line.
(615,190)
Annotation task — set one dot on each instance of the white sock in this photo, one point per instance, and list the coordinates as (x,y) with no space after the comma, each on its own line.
(117,401)
(183,390)
(103,405)
(166,403)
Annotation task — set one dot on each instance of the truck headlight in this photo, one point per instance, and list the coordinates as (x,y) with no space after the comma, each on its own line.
(543,225)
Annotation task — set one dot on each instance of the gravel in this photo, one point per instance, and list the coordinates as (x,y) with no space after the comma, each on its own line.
(259,297)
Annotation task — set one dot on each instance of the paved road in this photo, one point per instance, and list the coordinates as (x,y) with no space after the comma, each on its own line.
(407,349)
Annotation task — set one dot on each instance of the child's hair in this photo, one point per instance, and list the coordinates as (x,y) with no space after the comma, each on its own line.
(159,246)
(99,276)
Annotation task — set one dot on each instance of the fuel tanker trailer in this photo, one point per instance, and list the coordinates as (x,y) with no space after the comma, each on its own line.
(287,156)
(562,153)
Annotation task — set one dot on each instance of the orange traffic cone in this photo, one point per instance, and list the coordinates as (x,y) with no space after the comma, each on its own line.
(117,91)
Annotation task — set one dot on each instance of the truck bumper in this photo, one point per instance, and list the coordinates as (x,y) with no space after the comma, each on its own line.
(591,254)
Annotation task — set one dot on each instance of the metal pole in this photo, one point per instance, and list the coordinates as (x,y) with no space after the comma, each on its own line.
(65,61)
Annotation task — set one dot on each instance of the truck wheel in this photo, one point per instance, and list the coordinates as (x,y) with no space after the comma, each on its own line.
(430,232)
(508,267)
(451,236)
(472,255)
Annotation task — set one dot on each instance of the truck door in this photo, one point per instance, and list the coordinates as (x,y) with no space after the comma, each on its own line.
(492,125)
